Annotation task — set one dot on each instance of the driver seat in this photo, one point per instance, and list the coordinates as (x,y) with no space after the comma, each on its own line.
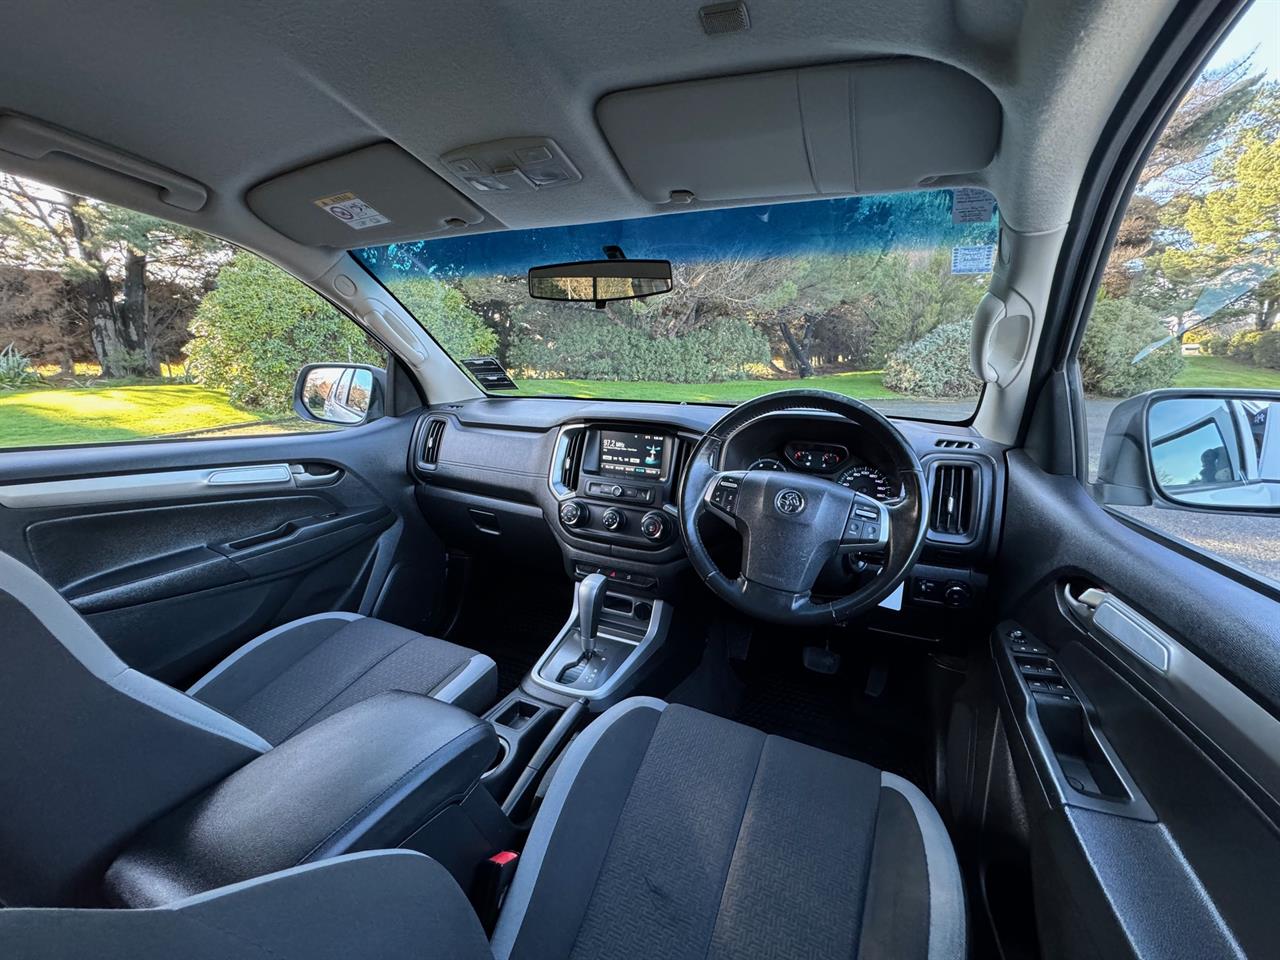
(666,832)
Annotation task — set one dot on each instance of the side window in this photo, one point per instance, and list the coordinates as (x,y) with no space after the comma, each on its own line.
(1190,305)
(119,326)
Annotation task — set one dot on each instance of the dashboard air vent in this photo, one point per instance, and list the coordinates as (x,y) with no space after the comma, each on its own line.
(956,444)
(431,442)
(572,462)
(951,507)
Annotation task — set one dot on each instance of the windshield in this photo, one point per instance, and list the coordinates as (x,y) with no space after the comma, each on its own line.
(872,297)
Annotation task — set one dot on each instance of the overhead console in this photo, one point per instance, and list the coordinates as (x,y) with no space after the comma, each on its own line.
(864,127)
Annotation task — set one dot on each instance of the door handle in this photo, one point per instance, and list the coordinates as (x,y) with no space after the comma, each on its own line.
(302,477)
(1110,616)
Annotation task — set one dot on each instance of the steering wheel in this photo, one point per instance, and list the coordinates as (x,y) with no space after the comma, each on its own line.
(792,523)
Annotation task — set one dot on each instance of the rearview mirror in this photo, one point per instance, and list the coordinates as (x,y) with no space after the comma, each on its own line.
(599,281)
(344,394)
(1204,449)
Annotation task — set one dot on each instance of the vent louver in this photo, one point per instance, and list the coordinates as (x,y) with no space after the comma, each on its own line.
(431,442)
(572,462)
(951,509)
(956,445)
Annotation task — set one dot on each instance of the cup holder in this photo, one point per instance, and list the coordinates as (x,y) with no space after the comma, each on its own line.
(504,750)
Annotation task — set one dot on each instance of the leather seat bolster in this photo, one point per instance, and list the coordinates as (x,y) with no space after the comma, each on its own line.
(365,777)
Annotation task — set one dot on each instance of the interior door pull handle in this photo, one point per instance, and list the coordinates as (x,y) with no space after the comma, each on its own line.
(1119,622)
(302,478)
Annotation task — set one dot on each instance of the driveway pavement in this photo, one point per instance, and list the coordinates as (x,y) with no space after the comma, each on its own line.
(1251,542)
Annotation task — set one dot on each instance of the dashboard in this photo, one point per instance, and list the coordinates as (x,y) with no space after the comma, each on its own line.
(591,486)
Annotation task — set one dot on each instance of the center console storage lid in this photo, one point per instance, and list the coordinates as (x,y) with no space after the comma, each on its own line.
(365,778)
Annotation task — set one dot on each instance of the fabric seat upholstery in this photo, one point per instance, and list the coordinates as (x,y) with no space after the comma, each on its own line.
(672,833)
(296,675)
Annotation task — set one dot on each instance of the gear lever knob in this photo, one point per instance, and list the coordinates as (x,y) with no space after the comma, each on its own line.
(590,603)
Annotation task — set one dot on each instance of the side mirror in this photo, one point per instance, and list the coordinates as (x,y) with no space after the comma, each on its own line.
(1209,450)
(339,393)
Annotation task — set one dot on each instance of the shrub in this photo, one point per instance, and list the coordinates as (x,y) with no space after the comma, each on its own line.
(16,369)
(936,365)
(444,312)
(1266,349)
(1215,345)
(593,346)
(1241,345)
(1116,333)
(255,330)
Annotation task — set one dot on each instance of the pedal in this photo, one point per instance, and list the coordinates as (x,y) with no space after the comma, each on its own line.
(877,680)
(821,660)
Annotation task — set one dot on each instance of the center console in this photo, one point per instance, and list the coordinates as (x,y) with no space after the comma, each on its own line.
(614,484)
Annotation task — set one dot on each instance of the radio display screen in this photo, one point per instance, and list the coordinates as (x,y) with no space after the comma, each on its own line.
(632,454)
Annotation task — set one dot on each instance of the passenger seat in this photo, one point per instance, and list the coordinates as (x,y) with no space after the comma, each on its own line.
(94,750)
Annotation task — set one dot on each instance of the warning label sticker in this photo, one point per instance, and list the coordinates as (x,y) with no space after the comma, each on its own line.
(970,205)
(965,260)
(351,210)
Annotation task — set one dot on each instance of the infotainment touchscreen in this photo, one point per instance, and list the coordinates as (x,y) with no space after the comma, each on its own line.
(631,454)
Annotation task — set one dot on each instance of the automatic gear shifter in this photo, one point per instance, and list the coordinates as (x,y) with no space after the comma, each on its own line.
(590,603)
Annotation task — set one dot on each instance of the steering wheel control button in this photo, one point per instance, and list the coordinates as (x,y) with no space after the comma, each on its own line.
(790,502)
(613,520)
(573,514)
(725,494)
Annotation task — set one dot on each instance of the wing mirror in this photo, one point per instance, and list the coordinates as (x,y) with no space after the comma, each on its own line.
(1210,450)
(344,394)
(599,281)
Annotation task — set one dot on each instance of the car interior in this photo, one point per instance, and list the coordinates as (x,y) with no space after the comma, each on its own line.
(475,673)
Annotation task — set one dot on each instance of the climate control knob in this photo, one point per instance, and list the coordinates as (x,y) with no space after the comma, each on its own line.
(613,520)
(574,514)
(653,526)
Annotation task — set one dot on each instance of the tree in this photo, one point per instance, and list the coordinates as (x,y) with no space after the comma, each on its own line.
(111,257)
(259,326)
(1182,161)
(1235,230)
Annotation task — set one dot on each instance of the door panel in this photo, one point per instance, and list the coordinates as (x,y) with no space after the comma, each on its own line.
(1144,733)
(179,552)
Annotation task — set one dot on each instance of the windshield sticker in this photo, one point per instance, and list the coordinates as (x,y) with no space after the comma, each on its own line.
(352,211)
(969,205)
(973,260)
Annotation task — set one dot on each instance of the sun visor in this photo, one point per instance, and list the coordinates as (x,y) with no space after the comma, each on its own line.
(865,127)
(375,195)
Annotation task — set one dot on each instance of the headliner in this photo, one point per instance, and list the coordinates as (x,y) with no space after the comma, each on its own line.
(235,93)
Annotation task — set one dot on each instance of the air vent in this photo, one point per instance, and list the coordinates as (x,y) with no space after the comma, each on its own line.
(431,442)
(724,18)
(951,507)
(956,445)
(572,462)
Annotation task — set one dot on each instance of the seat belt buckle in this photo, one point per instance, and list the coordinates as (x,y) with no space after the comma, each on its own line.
(492,880)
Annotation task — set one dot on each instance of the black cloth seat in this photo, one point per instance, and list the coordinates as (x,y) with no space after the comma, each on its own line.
(296,675)
(672,833)
(665,832)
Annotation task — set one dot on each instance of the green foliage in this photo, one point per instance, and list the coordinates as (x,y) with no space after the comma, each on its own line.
(592,345)
(1266,351)
(15,369)
(255,330)
(1114,335)
(936,365)
(1241,345)
(443,310)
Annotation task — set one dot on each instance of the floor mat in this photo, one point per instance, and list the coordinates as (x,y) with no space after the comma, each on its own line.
(836,712)
(515,626)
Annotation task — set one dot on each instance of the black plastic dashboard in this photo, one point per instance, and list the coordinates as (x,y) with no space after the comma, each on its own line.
(586,484)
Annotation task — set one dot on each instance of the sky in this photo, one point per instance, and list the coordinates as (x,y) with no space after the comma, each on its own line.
(1260,29)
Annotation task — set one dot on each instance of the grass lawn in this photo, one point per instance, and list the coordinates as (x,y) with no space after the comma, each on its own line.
(1221,372)
(31,418)
(863,384)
